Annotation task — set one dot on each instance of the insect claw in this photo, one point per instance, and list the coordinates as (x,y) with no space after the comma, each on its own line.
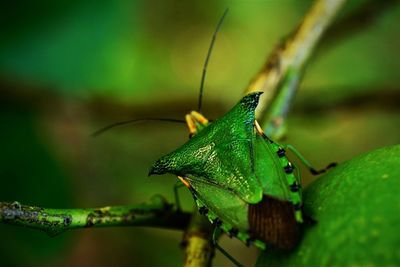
(331,165)
(315,172)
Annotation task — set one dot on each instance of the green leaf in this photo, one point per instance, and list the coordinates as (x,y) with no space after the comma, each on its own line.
(357,209)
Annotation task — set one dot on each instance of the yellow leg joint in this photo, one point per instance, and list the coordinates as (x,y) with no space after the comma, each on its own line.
(191,124)
(185,183)
(258,128)
(199,118)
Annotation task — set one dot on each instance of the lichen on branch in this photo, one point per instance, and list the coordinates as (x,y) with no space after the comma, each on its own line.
(155,213)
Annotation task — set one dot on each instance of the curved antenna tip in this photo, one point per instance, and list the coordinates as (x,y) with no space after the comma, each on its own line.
(203,76)
(134,121)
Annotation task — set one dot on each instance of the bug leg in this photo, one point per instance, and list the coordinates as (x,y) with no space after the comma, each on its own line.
(298,179)
(216,234)
(307,163)
(176,195)
(298,174)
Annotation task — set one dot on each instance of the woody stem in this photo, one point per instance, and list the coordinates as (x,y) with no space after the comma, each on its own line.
(155,213)
(280,76)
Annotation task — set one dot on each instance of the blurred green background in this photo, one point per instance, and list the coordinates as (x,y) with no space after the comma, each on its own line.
(68,68)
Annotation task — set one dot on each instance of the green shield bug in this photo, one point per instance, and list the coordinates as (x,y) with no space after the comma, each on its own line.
(239,178)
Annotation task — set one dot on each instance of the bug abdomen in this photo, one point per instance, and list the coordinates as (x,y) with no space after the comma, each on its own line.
(273,222)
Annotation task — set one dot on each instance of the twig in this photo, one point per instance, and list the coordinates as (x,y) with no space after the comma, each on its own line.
(197,242)
(290,58)
(156,213)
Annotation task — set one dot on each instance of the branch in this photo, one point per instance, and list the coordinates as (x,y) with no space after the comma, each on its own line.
(280,76)
(197,242)
(156,213)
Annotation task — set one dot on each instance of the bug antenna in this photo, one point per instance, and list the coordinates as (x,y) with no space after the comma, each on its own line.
(203,77)
(134,121)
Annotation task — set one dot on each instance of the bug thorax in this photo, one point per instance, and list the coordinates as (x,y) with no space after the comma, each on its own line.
(188,159)
(219,153)
(163,165)
(184,160)
(192,157)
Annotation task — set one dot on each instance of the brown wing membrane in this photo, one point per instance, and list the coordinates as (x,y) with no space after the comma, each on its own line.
(273,222)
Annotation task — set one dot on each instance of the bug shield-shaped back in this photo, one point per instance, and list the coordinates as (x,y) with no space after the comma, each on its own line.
(220,155)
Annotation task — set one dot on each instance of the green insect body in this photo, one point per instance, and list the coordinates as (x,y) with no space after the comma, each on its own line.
(240,179)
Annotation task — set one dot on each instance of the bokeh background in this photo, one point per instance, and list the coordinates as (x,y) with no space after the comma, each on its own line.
(67,68)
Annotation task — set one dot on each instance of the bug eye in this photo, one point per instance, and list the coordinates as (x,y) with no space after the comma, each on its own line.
(191,135)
